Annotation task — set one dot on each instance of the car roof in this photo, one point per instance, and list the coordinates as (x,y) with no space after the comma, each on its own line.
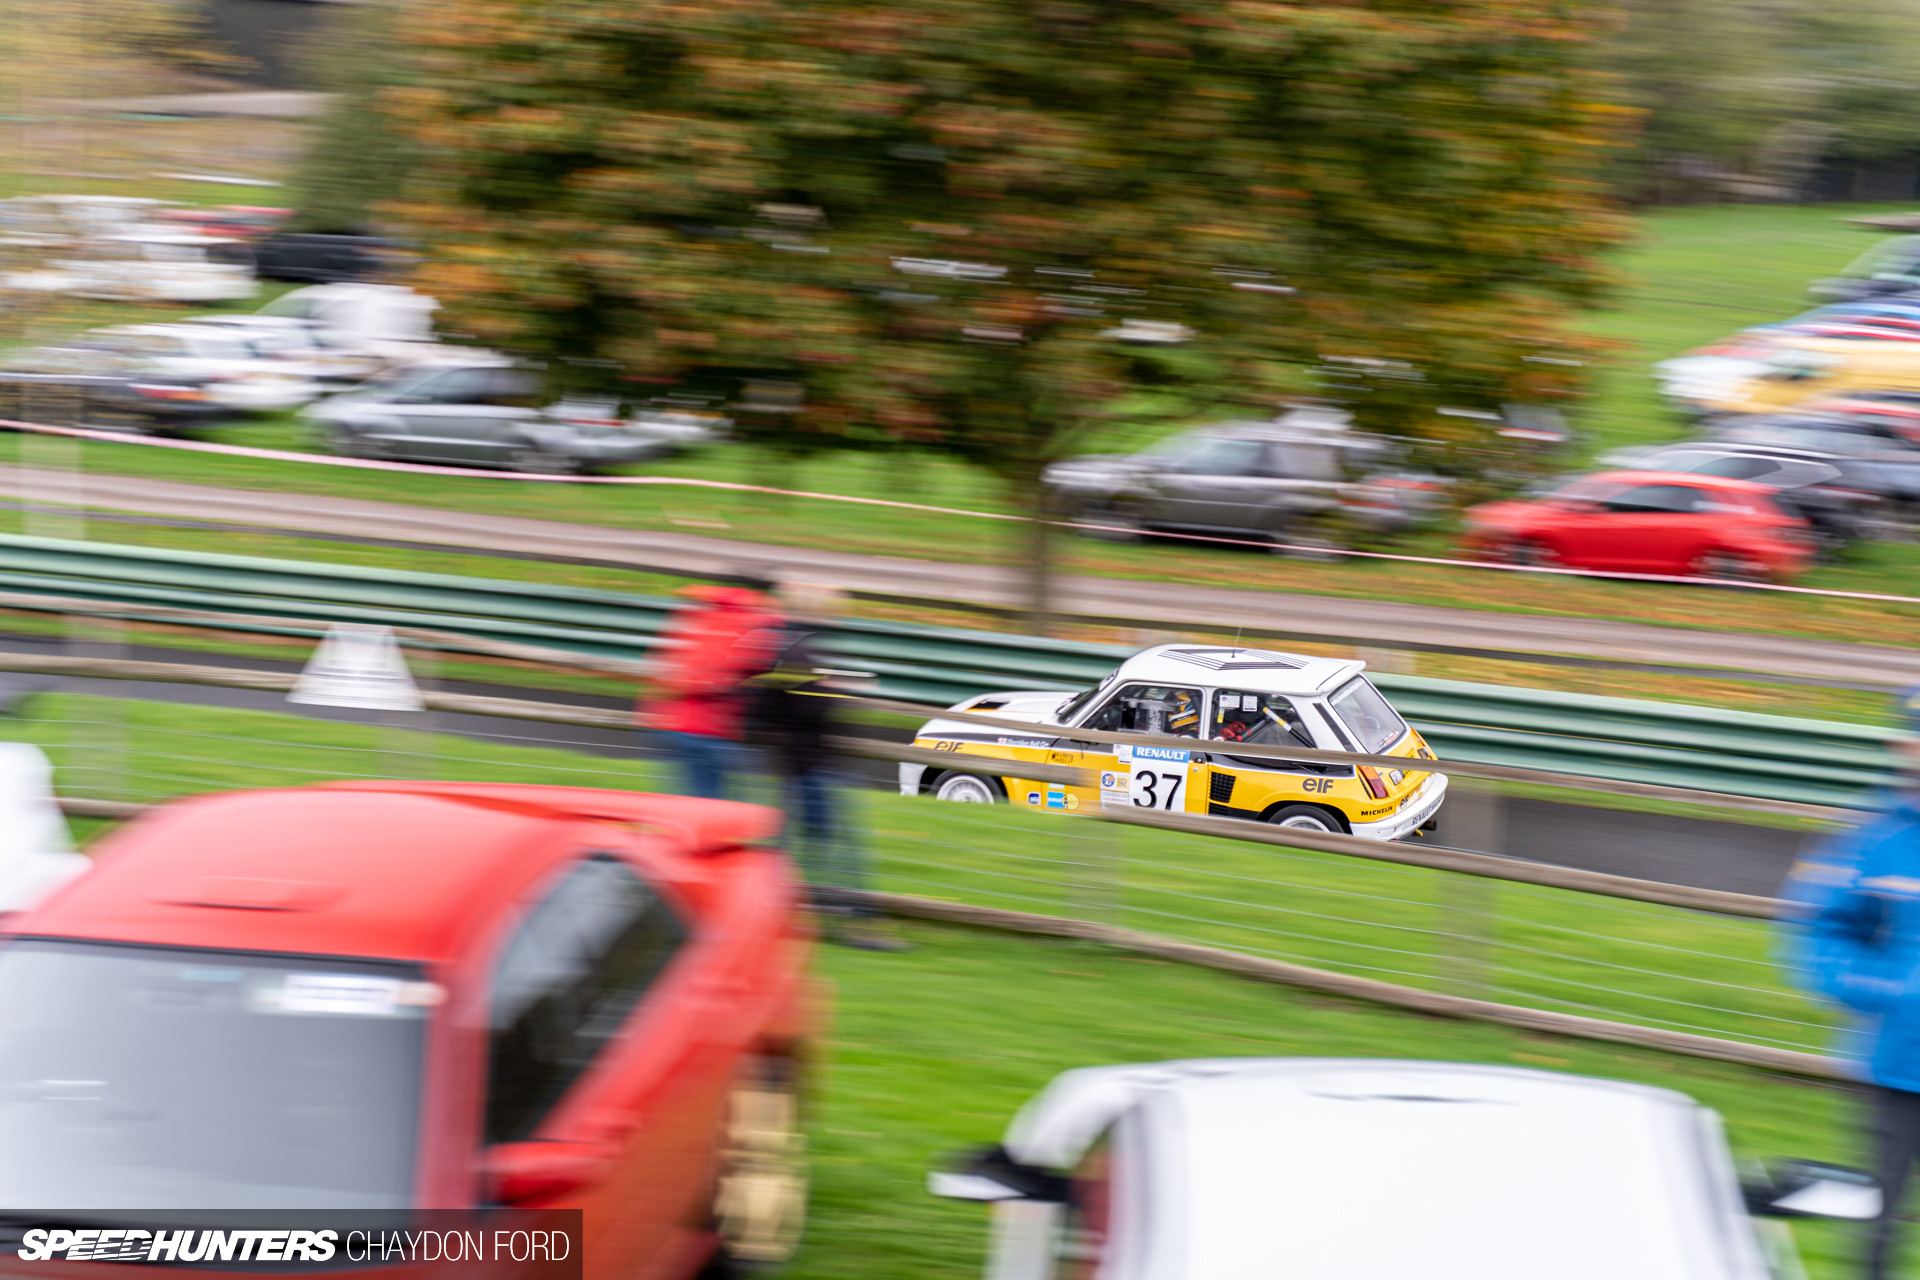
(1635,476)
(388,870)
(1382,1169)
(1236,667)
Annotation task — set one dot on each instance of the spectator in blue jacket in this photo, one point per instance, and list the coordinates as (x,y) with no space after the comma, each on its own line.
(1858,897)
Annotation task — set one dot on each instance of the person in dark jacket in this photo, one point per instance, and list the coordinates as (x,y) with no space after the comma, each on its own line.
(1858,900)
(792,719)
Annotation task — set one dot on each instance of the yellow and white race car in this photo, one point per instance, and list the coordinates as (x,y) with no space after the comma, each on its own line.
(1216,696)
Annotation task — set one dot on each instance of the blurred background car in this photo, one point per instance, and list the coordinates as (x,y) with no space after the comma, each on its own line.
(237,374)
(1254,479)
(300,344)
(324,259)
(613,985)
(492,414)
(1838,497)
(1647,522)
(1375,1169)
(1891,267)
(82,383)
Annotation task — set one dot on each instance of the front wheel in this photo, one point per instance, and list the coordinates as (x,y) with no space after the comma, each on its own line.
(533,460)
(965,788)
(1304,817)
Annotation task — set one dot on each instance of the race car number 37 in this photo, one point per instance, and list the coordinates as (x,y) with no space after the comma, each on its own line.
(1157,775)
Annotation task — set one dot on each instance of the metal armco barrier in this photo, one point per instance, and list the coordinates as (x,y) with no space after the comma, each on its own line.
(1666,744)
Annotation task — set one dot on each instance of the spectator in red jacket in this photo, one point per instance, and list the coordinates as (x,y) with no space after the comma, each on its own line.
(722,639)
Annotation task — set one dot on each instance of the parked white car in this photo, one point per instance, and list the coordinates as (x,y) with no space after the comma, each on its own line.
(36,856)
(1362,1169)
(301,344)
(235,373)
(388,322)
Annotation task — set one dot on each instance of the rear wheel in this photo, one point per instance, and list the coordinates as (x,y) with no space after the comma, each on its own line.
(1305,817)
(1729,566)
(1531,554)
(760,1202)
(965,788)
(1117,523)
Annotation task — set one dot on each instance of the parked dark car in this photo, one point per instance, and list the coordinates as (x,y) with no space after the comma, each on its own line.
(495,415)
(98,386)
(323,259)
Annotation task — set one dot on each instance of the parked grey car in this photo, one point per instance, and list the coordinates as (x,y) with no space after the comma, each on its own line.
(493,414)
(1267,479)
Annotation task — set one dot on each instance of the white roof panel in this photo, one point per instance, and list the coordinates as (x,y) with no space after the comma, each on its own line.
(1354,1170)
(1238,667)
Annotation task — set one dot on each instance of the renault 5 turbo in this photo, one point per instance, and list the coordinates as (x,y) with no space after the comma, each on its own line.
(1218,696)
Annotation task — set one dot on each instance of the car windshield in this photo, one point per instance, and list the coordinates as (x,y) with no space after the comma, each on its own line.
(162,1078)
(1375,726)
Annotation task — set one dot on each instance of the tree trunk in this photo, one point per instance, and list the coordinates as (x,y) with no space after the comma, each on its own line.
(1037,565)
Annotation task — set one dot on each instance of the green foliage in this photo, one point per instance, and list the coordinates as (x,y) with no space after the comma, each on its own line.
(1787,83)
(756,185)
(357,158)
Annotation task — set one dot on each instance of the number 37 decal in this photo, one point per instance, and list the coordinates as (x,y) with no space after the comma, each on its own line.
(1157,790)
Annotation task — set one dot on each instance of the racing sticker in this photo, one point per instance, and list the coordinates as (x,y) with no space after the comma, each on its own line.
(1116,782)
(1157,777)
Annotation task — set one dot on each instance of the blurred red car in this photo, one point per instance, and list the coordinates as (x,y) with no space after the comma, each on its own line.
(392,996)
(1647,522)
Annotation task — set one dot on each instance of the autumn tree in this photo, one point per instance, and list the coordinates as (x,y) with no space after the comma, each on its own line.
(933,217)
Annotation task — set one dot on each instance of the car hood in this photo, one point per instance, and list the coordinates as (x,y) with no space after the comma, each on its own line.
(1097,468)
(1034,705)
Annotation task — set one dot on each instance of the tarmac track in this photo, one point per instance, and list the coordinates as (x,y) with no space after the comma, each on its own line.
(1148,605)
(1694,851)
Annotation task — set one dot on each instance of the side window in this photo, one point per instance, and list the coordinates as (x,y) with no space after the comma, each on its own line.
(1656,498)
(1264,718)
(1150,708)
(1269,720)
(514,389)
(571,974)
(463,386)
(1224,458)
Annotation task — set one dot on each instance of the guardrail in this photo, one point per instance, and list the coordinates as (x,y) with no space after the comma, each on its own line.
(1665,744)
(1439,930)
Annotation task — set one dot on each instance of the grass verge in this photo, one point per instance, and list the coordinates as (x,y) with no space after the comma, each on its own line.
(933,1050)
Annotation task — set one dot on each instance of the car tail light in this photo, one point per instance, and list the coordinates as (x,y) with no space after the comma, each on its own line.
(155,391)
(1375,786)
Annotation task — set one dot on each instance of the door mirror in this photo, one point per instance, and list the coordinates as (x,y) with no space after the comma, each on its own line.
(1804,1189)
(1580,506)
(523,1173)
(991,1174)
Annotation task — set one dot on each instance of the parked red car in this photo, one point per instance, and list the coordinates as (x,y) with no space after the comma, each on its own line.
(417,995)
(1647,522)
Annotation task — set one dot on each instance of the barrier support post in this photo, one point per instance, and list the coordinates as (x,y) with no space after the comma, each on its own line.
(1473,819)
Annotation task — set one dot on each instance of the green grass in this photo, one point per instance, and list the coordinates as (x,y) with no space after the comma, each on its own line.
(933,1050)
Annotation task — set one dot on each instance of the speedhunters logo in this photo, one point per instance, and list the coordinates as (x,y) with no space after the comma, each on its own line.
(137,1245)
(513,1244)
